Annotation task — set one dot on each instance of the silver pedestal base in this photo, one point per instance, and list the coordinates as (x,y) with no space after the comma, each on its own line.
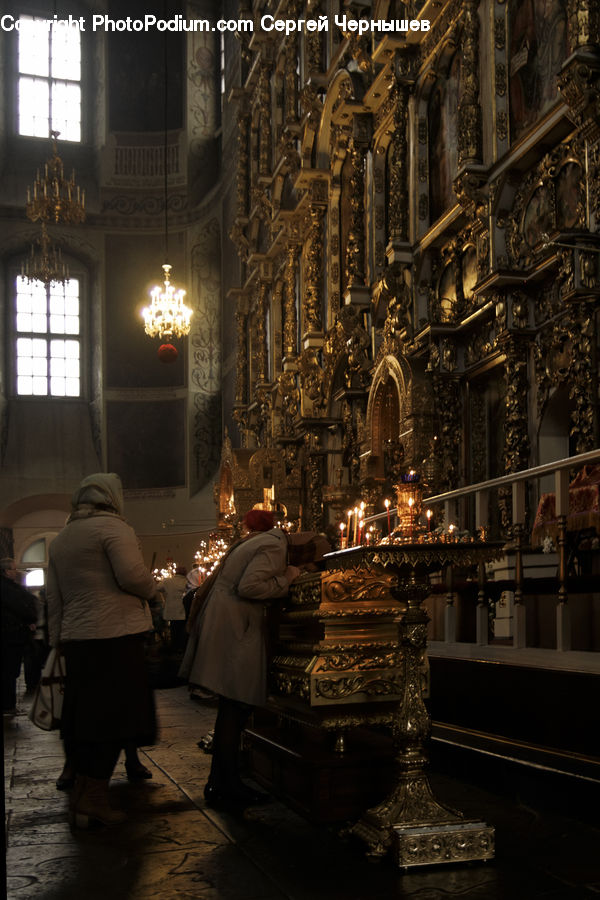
(426,845)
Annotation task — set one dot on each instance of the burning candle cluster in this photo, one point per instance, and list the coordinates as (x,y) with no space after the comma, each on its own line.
(402,522)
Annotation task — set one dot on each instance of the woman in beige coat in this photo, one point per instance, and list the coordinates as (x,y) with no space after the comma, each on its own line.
(226,650)
(99,591)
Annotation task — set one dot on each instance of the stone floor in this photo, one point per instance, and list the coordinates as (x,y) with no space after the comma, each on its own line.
(173,847)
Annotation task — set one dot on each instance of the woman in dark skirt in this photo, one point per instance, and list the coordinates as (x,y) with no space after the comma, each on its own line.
(99,591)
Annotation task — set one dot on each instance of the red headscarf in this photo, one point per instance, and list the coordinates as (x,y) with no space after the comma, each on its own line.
(259,520)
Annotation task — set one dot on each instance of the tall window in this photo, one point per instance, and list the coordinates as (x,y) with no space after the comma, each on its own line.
(49,62)
(48,339)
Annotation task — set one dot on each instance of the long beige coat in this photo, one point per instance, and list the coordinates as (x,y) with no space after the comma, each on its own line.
(226,651)
(98,584)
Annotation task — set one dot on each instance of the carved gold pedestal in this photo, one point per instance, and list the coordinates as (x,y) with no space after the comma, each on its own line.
(411,823)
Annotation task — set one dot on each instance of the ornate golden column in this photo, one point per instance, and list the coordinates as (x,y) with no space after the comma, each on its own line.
(290,315)
(356,290)
(313,272)
(398,205)
(264,136)
(262,362)
(469,110)
(241,375)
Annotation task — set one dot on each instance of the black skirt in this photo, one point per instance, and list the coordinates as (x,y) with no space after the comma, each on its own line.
(107,692)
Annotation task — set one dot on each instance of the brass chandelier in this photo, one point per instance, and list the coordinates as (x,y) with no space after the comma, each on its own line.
(45,263)
(57,200)
(167,317)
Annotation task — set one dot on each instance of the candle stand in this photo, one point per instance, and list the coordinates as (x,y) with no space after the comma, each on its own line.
(410,822)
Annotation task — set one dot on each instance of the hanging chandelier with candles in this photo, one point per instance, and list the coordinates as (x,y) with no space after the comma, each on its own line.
(167,316)
(45,262)
(57,200)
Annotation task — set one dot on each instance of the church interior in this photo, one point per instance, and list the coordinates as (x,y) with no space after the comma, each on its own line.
(385,219)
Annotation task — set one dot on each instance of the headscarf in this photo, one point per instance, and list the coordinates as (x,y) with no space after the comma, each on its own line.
(307,547)
(259,520)
(99,492)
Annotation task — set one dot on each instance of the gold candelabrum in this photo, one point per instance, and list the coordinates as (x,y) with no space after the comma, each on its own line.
(409,503)
(410,821)
(57,200)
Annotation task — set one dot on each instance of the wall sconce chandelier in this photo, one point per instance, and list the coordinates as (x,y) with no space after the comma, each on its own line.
(54,199)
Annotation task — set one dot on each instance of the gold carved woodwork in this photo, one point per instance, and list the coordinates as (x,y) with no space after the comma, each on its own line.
(241,382)
(584,24)
(355,250)
(516,428)
(550,199)
(583,380)
(469,110)
(448,409)
(261,333)
(311,383)
(311,306)
(398,206)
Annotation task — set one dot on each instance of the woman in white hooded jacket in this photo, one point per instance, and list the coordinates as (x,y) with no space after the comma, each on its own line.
(99,591)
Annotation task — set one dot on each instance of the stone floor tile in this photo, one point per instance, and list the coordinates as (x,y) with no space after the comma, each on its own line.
(174,847)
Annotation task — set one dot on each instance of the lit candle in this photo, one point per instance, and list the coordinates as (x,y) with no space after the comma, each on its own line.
(451,530)
(349,531)
(343,542)
(411,503)
(360,529)
(356,511)
(428,514)
(386,503)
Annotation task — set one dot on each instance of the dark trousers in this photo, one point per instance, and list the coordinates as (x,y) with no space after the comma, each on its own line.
(34,657)
(96,759)
(12,657)
(231,720)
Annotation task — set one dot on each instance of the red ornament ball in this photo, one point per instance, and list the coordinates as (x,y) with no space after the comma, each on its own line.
(167,353)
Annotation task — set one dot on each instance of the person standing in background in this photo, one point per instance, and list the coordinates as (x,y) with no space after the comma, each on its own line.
(99,591)
(18,616)
(37,649)
(173,589)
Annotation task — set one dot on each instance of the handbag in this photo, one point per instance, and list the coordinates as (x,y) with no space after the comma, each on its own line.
(47,703)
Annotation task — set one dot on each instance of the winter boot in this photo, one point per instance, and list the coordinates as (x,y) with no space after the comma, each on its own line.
(90,803)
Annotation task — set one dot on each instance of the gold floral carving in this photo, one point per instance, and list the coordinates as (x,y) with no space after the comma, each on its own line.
(398,169)
(516,429)
(241,384)
(355,251)
(342,688)
(313,273)
(469,110)
(261,333)
(290,316)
